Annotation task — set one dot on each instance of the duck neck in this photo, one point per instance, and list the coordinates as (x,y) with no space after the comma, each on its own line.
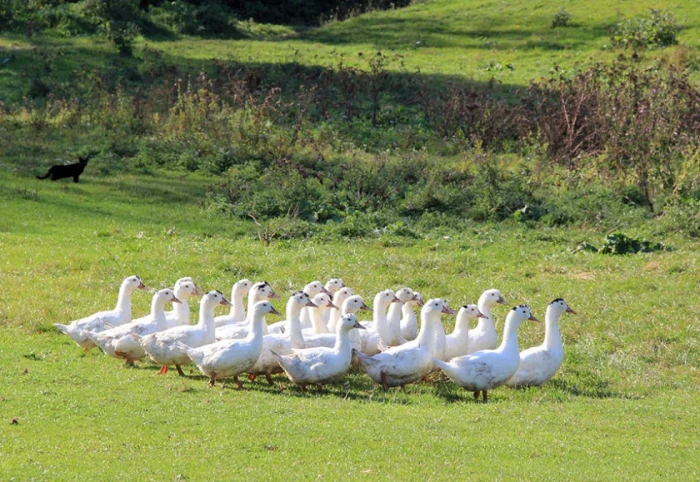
(552,335)
(342,342)
(124,300)
(336,314)
(206,317)
(426,335)
(316,315)
(158,313)
(237,311)
(407,311)
(485,324)
(510,338)
(380,320)
(293,326)
(461,325)
(255,334)
(249,316)
(182,309)
(394,314)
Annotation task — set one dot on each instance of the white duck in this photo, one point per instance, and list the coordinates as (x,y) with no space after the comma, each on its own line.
(404,364)
(485,370)
(312,289)
(282,343)
(394,315)
(156,321)
(258,292)
(321,365)
(457,342)
(338,299)
(377,335)
(540,363)
(409,322)
(180,314)
(239,290)
(332,286)
(121,314)
(230,358)
(162,347)
(484,336)
(351,306)
(318,327)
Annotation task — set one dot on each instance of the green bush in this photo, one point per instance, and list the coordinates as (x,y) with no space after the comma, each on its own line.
(561,19)
(658,30)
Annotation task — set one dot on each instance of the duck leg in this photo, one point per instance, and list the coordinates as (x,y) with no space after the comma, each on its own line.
(476,395)
(268,377)
(486,398)
(164,370)
(239,384)
(179,370)
(212,380)
(385,382)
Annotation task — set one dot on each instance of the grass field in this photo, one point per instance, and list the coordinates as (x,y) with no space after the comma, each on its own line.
(510,42)
(623,406)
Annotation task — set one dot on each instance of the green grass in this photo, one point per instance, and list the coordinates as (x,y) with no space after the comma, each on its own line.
(621,407)
(511,42)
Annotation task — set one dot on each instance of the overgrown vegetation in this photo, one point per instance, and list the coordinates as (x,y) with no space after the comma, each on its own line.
(660,29)
(364,148)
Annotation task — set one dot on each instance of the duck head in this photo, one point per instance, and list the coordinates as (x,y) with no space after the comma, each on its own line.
(314,288)
(349,321)
(323,300)
(241,287)
(334,284)
(263,308)
(490,298)
(262,291)
(559,307)
(214,298)
(354,303)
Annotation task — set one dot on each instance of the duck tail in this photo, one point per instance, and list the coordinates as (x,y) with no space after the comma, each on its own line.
(63,328)
(441,364)
(186,349)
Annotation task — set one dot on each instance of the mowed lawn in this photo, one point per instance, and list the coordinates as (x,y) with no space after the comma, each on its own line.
(624,405)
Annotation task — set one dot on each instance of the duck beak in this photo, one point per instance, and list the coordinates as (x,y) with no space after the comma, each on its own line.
(569,310)
(274,296)
(311,304)
(324,290)
(396,300)
(358,325)
(225,302)
(421,302)
(175,300)
(196,291)
(273,311)
(501,301)
(532,318)
(331,305)
(447,310)
(365,307)
(481,315)
(141,286)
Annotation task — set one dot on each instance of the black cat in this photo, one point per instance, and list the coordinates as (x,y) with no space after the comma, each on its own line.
(70,170)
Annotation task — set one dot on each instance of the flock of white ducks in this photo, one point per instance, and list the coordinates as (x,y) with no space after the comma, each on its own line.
(321,336)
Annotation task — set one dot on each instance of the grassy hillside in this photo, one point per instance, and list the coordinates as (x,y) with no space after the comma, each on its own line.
(511,42)
(178,168)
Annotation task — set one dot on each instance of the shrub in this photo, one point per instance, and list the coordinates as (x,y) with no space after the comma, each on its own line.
(658,30)
(561,19)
